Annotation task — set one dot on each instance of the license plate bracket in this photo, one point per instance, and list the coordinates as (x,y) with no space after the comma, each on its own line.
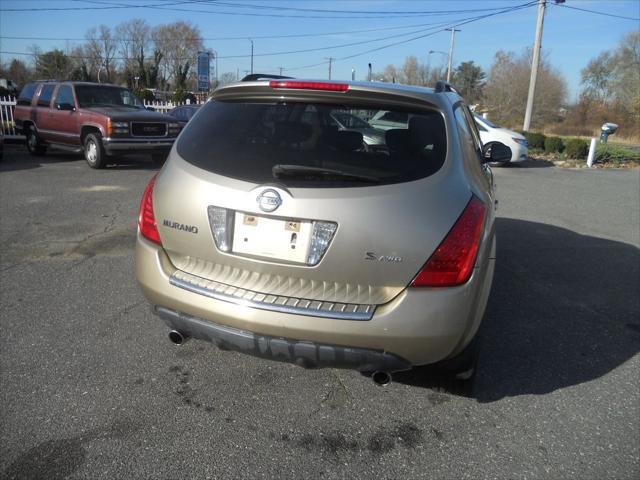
(276,238)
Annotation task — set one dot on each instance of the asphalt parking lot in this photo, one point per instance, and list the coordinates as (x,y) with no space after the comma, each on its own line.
(90,387)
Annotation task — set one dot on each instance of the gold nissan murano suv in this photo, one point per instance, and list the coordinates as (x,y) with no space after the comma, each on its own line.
(284,225)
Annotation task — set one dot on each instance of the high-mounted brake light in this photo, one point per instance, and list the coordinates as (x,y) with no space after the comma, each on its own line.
(147,219)
(452,262)
(301,85)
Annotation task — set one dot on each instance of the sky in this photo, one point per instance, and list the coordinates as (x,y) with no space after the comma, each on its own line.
(383,31)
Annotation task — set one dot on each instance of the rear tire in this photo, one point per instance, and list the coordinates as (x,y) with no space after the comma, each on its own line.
(94,152)
(455,375)
(499,164)
(34,145)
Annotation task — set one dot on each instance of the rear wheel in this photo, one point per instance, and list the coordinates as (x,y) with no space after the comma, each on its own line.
(94,151)
(455,375)
(34,145)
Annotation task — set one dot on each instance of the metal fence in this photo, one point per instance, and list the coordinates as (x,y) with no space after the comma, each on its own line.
(164,107)
(7,124)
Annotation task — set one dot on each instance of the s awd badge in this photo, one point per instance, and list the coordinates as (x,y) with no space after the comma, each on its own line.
(382,258)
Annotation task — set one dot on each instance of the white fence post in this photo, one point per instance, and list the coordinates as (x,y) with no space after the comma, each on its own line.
(592,153)
(6,117)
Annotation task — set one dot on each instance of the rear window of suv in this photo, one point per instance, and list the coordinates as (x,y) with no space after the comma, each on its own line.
(301,145)
(26,94)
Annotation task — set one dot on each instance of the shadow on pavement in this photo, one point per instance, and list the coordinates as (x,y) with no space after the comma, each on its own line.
(16,157)
(531,163)
(563,311)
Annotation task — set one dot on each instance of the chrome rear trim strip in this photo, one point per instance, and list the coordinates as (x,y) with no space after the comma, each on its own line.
(291,305)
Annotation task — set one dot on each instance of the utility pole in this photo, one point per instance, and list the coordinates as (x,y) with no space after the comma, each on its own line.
(353,74)
(251,55)
(534,65)
(453,40)
(369,75)
(280,68)
(331,59)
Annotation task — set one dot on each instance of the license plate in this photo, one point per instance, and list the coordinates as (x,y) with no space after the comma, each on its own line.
(271,237)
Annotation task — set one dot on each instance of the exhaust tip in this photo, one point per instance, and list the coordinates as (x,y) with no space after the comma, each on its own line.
(176,337)
(381,379)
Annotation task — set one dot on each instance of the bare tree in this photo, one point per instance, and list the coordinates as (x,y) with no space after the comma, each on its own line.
(101,49)
(412,72)
(178,43)
(134,38)
(227,77)
(508,83)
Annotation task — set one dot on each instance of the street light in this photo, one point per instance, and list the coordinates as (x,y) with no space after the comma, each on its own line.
(215,53)
(102,65)
(441,53)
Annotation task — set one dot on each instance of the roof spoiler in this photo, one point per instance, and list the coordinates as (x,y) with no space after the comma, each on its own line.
(442,86)
(263,76)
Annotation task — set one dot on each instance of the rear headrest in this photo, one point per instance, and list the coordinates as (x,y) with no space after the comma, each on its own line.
(292,132)
(344,140)
(427,130)
(397,139)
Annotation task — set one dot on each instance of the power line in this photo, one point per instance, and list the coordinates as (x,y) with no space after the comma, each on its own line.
(322,10)
(167,7)
(595,12)
(466,21)
(270,54)
(243,37)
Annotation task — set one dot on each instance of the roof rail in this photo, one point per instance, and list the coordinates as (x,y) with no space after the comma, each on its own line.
(442,86)
(262,76)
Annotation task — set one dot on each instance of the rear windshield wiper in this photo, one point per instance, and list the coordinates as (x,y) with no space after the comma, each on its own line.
(293,171)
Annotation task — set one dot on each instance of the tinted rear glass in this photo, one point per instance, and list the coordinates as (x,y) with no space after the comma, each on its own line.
(45,95)
(26,94)
(103,96)
(301,144)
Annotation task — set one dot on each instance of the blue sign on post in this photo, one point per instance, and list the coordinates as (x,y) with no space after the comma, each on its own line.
(203,72)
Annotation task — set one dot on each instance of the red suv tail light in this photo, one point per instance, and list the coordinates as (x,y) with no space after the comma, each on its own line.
(452,262)
(146,219)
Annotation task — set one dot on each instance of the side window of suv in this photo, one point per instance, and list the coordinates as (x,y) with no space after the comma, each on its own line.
(26,94)
(44,100)
(474,129)
(64,96)
(464,131)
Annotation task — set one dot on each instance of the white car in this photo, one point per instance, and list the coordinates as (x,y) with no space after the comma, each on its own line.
(514,140)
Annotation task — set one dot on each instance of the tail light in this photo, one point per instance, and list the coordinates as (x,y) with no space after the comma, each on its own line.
(452,262)
(147,219)
(303,85)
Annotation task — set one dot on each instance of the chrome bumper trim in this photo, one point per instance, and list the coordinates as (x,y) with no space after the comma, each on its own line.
(274,303)
(149,143)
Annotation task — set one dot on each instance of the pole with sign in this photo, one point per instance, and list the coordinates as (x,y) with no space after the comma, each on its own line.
(203,72)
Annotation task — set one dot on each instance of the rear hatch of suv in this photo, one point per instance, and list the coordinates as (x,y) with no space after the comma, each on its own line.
(266,198)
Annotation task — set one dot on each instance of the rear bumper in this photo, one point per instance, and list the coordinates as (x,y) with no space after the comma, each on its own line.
(137,145)
(419,326)
(301,353)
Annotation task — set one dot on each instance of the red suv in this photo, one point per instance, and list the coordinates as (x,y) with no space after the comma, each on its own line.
(100,120)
